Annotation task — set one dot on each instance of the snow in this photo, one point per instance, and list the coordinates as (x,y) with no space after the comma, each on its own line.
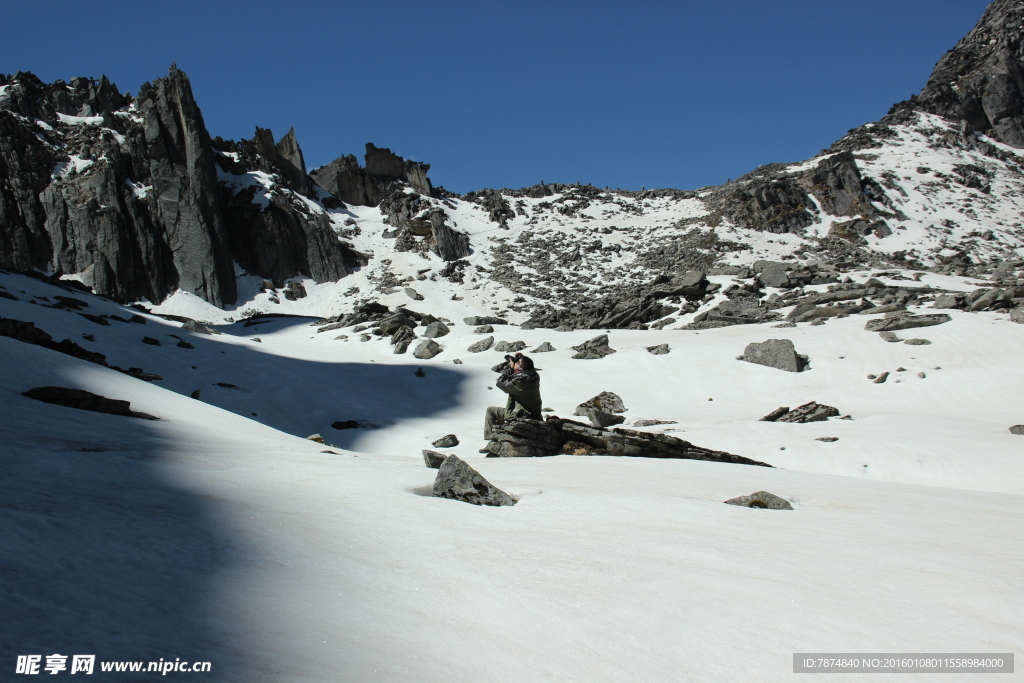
(80,120)
(73,165)
(219,533)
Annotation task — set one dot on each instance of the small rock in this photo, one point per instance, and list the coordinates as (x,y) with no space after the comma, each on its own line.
(185,345)
(345,424)
(257,340)
(881,378)
(196,394)
(872,376)
(659,350)
(809,412)
(775,353)
(1017,429)
(651,423)
(458,481)
(901,369)
(481,345)
(447,441)
(1017,315)
(315,437)
(412,294)
(827,439)
(419,372)
(905,321)
(921,375)
(456,361)
(151,341)
(761,499)
(544,348)
(484,320)
(193,326)
(917,342)
(427,349)
(483,329)
(433,459)
(889,337)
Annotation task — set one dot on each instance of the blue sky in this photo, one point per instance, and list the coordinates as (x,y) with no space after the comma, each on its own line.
(657,94)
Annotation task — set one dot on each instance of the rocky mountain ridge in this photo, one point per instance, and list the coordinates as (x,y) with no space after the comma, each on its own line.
(132,197)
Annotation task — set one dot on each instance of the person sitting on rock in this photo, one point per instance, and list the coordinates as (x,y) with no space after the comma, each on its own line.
(522,384)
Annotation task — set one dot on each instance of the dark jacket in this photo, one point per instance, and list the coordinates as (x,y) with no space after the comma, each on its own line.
(523,389)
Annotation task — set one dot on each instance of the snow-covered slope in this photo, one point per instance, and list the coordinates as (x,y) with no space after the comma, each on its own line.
(219,534)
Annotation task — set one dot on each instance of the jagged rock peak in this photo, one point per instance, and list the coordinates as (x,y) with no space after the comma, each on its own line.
(352,184)
(981,80)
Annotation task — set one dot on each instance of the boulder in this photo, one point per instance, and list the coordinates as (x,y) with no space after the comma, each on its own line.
(917,342)
(761,499)
(458,481)
(659,350)
(413,294)
(484,320)
(600,418)
(436,329)
(775,353)
(881,378)
(594,348)
(809,412)
(481,345)
(544,348)
(906,322)
(433,459)
(509,347)
(605,401)
(447,441)
(428,348)
(84,400)
(949,301)
(1017,315)
(1017,429)
(484,329)
(889,336)
(775,414)
(772,274)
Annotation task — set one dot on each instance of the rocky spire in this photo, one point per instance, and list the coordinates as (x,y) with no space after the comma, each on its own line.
(981,80)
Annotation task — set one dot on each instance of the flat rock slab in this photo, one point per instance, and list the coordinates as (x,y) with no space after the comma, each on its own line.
(84,400)
(484,320)
(906,322)
(458,481)
(917,342)
(761,499)
(447,441)
(808,412)
(775,353)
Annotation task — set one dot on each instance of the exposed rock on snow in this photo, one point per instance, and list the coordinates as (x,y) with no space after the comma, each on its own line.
(808,412)
(427,349)
(482,345)
(905,322)
(594,348)
(659,349)
(607,401)
(435,330)
(458,481)
(544,347)
(761,499)
(433,459)
(775,353)
(532,438)
(447,441)
(600,418)
(84,400)
(1017,429)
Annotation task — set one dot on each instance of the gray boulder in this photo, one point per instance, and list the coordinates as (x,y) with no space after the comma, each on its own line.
(809,412)
(484,320)
(193,326)
(889,336)
(458,481)
(447,441)
(436,329)
(917,342)
(881,378)
(509,347)
(1017,315)
(949,301)
(594,348)
(483,329)
(906,322)
(775,414)
(428,348)
(1017,429)
(433,459)
(544,348)
(761,499)
(481,345)
(775,353)
(600,418)
(605,401)
(413,294)
(659,350)
(772,273)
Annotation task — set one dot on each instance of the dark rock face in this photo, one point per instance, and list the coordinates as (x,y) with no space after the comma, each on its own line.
(532,438)
(458,481)
(979,82)
(761,499)
(775,353)
(84,400)
(28,333)
(448,244)
(349,183)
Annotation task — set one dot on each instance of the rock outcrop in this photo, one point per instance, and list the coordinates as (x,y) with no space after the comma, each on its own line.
(533,438)
(458,481)
(775,353)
